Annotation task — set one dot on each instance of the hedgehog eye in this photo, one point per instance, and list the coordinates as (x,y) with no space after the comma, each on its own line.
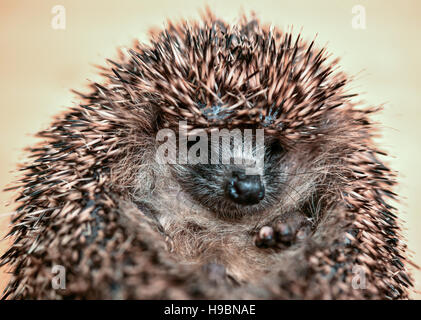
(276,148)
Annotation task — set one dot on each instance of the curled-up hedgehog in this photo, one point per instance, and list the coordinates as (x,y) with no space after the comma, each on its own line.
(315,223)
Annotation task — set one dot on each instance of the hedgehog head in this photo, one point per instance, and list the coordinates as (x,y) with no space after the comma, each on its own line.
(214,76)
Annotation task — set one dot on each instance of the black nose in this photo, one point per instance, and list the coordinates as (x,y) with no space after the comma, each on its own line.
(245,189)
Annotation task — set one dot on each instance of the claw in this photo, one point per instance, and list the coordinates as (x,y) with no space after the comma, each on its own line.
(284,233)
(265,238)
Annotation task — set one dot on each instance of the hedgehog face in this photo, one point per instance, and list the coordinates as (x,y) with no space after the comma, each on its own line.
(215,76)
(232,189)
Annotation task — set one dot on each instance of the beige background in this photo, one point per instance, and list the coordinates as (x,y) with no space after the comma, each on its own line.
(38,66)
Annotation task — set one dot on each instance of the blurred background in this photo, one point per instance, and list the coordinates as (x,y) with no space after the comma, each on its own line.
(39,64)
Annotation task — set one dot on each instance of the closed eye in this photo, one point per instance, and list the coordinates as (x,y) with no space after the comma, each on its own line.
(275,148)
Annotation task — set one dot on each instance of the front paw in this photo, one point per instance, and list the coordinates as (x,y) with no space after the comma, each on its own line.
(282,234)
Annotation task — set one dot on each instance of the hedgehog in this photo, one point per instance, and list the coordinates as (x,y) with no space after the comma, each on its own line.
(315,222)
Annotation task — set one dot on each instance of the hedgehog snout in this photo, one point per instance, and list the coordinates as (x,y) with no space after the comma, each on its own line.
(245,189)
